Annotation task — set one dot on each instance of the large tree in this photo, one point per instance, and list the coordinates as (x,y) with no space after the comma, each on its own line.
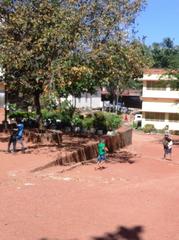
(38,37)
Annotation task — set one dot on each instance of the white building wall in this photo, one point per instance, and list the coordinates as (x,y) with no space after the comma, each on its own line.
(157,106)
(161,94)
(86,101)
(161,101)
(161,124)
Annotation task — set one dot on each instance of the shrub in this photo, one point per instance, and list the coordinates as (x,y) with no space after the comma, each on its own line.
(88,122)
(100,121)
(22,114)
(53,115)
(113,121)
(77,120)
(66,113)
(149,128)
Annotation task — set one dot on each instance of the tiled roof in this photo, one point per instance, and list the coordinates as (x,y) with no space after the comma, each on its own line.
(155,71)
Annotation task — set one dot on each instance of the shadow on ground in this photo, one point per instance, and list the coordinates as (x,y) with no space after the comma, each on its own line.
(122,233)
(114,158)
(121,157)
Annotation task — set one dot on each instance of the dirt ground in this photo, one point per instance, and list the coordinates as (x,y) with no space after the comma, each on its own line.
(135,197)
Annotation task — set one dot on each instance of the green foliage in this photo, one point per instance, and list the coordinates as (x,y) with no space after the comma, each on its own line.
(77,120)
(41,40)
(15,112)
(88,122)
(65,113)
(106,121)
(148,128)
(100,121)
(21,114)
(113,121)
(165,54)
(53,115)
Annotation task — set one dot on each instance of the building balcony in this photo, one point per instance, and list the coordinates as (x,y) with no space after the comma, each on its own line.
(169,94)
(167,107)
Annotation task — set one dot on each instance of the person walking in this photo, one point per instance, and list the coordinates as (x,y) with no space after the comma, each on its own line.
(102,149)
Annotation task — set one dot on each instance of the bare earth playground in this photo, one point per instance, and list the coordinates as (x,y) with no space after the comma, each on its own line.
(128,200)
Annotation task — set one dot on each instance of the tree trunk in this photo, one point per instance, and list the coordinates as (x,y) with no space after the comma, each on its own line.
(38,108)
(91,101)
(117,100)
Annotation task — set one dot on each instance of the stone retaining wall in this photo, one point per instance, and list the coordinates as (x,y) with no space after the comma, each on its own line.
(88,152)
(113,143)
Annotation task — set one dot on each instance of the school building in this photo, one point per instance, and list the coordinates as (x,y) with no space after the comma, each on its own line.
(160,103)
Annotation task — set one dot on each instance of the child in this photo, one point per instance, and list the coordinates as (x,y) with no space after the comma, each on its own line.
(12,140)
(19,135)
(101,153)
(167,144)
(169,150)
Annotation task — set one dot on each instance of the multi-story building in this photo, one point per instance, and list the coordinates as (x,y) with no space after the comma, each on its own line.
(160,105)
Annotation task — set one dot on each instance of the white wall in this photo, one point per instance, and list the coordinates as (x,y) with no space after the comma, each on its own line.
(161,101)
(162,124)
(86,101)
(156,106)
(160,94)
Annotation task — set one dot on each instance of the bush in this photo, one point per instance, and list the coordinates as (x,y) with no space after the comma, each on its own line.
(22,114)
(52,115)
(66,113)
(149,128)
(100,121)
(88,122)
(113,121)
(77,120)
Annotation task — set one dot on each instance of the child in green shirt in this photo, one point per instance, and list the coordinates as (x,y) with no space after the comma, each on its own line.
(101,153)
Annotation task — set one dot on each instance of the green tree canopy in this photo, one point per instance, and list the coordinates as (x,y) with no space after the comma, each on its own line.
(40,41)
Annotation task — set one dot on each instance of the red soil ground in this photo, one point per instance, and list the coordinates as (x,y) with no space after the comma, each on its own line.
(135,198)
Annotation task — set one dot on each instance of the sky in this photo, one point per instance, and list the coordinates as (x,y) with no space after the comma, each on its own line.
(159,20)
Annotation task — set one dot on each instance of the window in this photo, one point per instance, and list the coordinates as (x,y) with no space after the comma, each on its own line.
(156,85)
(153,116)
(174,117)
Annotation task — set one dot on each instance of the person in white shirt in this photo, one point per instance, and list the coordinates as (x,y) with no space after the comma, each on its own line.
(169,147)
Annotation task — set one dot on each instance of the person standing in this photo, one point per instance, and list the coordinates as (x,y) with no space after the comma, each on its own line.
(12,140)
(167,145)
(170,145)
(19,135)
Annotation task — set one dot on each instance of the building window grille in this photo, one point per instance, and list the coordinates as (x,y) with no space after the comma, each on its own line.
(153,116)
(159,85)
(174,117)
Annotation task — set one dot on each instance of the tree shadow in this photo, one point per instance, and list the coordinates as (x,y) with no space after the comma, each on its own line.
(57,239)
(123,233)
(4,139)
(121,157)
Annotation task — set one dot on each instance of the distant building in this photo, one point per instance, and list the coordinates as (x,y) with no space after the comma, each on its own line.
(160,105)
(87,100)
(131,98)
